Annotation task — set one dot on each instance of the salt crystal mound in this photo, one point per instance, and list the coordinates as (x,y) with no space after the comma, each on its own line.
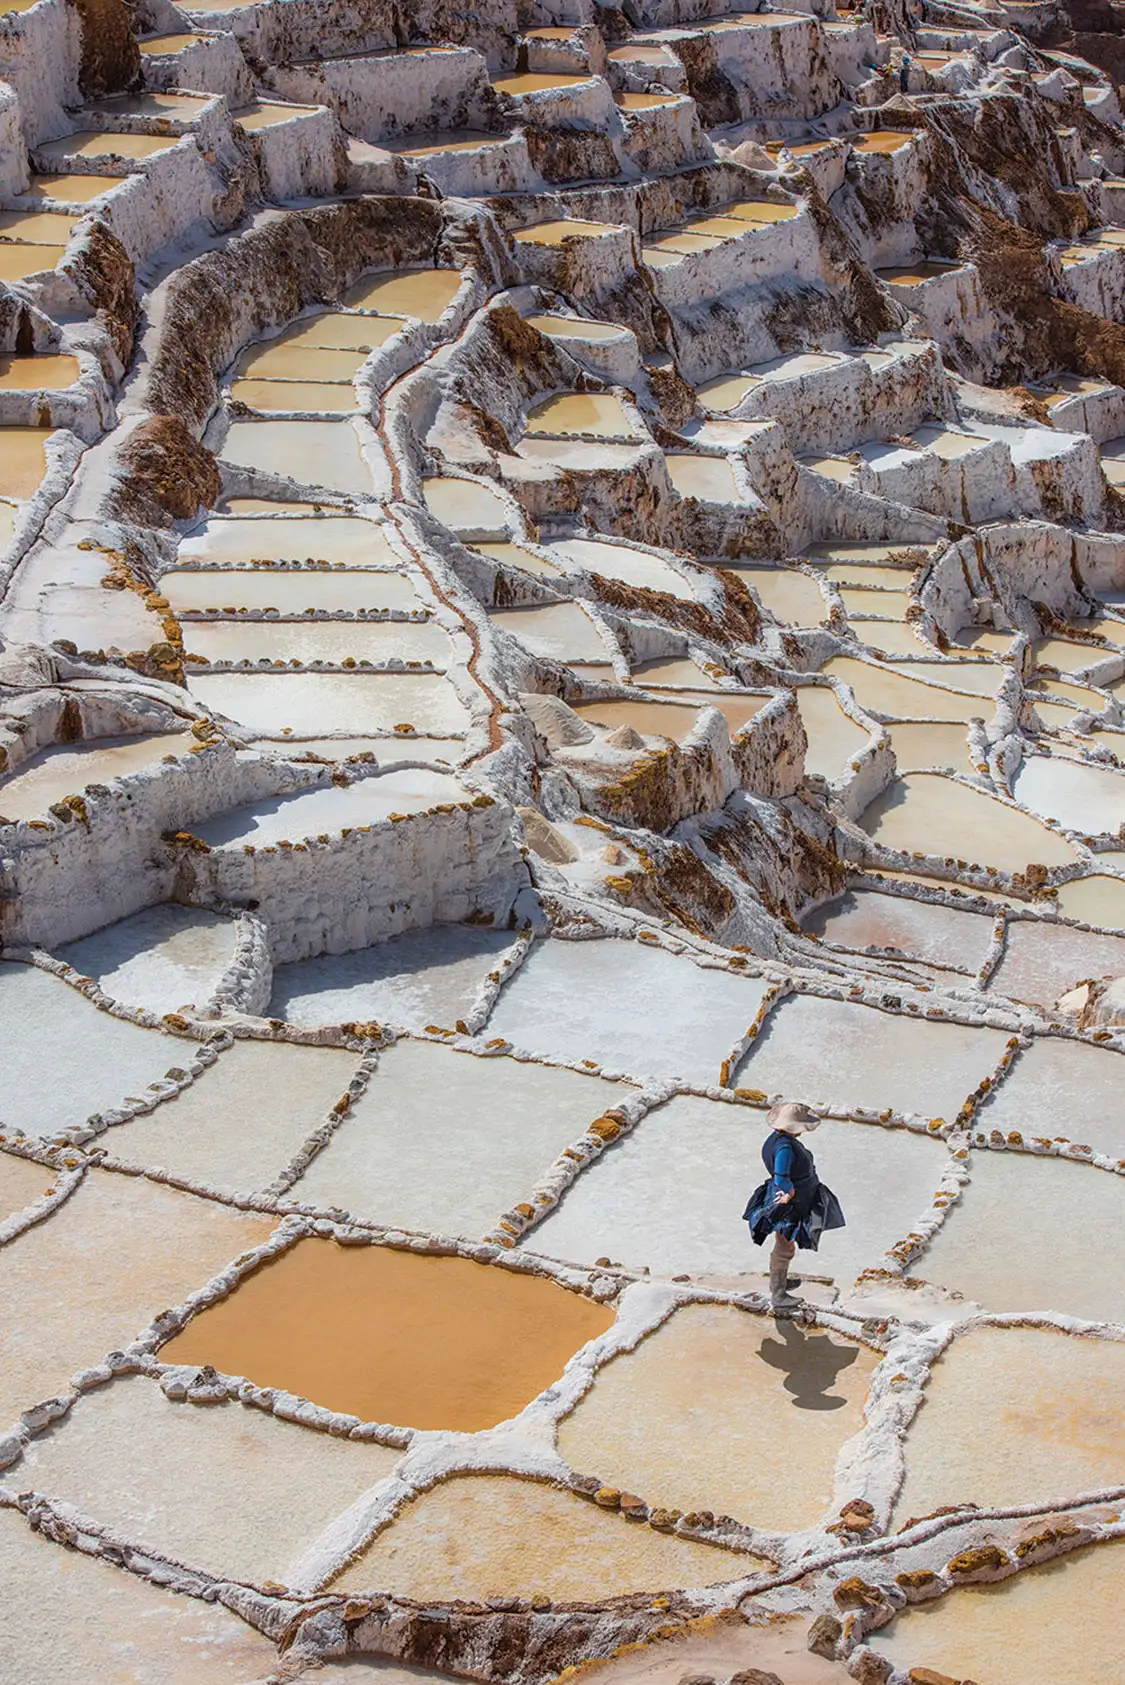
(490,702)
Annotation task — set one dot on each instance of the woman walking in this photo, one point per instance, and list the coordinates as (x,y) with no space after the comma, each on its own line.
(793,1205)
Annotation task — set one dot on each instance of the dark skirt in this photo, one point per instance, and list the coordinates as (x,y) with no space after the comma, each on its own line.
(805,1226)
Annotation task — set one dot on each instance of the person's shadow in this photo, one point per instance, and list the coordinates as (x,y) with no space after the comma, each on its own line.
(810,1363)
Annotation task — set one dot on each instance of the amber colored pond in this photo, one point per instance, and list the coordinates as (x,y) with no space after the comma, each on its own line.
(394,1336)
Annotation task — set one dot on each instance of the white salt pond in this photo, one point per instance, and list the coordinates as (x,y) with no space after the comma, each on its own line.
(224,1130)
(621,561)
(709,478)
(22,1182)
(922,746)
(556,631)
(288,590)
(927,813)
(424,294)
(1098,899)
(942,935)
(96,1060)
(311,703)
(466,506)
(1011,1243)
(426,977)
(758,1441)
(831,1051)
(291,538)
(631,1008)
(316,453)
(1046,1412)
(399,1158)
(671,1194)
(231,1490)
(834,738)
(165,958)
(1021,1631)
(331,808)
(788,594)
(307,641)
(126,1249)
(67,768)
(1090,799)
(1041,962)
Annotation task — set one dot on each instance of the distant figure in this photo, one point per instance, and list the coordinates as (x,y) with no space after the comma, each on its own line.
(794,1205)
(904,74)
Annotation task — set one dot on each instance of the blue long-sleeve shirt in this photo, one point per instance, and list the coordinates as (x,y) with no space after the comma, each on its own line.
(783,1161)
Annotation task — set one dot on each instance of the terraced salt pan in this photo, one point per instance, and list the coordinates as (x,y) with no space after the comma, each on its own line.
(921,747)
(575,327)
(568,228)
(18,262)
(228,1489)
(23,461)
(558,631)
(264,114)
(1020,1239)
(428,977)
(325,640)
(671,1194)
(929,814)
(124,1249)
(400,1156)
(21,1183)
(863,599)
(323,453)
(1098,899)
(96,1060)
(661,719)
(1080,695)
(446,1343)
(387,751)
(227,1131)
(424,294)
(759,1441)
(515,556)
(495,1536)
(620,561)
(669,671)
(289,590)
(834,739)
(1061,1088)
(1022,1631)
(831,1050)
(287,362)
(38,374)
(1084,798)
(710,478)
(142,1634)
(70,189)
(335,330)
(1042,961)
(165,958)
(68,768)
(281,538)
(312,703)
(898,697)
(726,392)
(790,596)
(581,415)
(1068,656)
(103,143)
(331,808)
(167,43)
(865,919)
(891,638)
(292,397)
(1046,1412)
(465,505)
(668,1016)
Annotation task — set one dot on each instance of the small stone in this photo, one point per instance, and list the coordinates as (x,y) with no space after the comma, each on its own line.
(607,1497)
(824,1635)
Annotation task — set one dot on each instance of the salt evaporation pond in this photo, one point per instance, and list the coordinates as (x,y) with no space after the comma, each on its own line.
(758,1441)
(288,590)
(96,1059)
(865,919)
(490,1535)
(1061,1089)
(671,1194)
(308,641)
(242,539)
(448,1343)
(400,1155)
(22,1182)
(621,561)
(557,631)
(1090,799)
(834,738)
(1098,899)
(878,1059)
(896,695)
(315,453)
(1043,961)
(67,768)
(165,958)
(431,976)
(922,747)
(310,704)
(997,1245)
(929,814)
(632,1009)
(331,808)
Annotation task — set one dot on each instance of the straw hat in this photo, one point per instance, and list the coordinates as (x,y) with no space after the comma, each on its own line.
(793,1118)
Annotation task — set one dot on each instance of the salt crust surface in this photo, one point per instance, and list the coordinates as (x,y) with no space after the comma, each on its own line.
(21,1183)
(491,1535)
(124,1249)
(240,1123)
(96,1060)
(403,1155)
(706,1413)
(224,1488)
(877,1058)
(1042,961)
(165,958)
(669,1017)
(431,977)
(1061,1088)
(942,935)
(671,1194)
(138,1635)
